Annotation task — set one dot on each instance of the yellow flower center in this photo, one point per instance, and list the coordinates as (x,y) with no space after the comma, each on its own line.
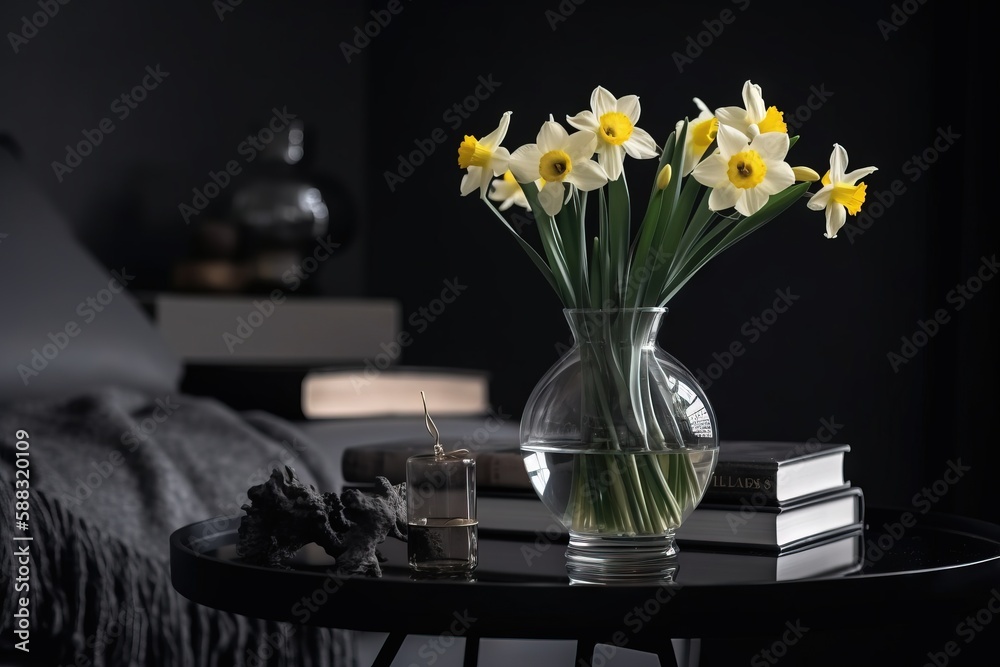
(615,128)
(746,169)
(826,178)
(851,196)
(473,154)
(773,121)
(703,133)
(555,166)
(508,177)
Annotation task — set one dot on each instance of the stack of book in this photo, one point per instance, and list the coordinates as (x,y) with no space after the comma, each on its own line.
(772,511)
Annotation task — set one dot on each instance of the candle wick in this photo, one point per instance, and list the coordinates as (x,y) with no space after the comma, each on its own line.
(432,429)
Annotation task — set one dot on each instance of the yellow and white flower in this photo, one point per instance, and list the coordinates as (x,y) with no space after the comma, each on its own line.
(508,191)
(559,158)
(700,135)
(483,158)
(744,174)
(841,193)
(756,118)
(613,122)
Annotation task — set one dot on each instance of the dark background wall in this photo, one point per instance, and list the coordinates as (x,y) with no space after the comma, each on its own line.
(888,93)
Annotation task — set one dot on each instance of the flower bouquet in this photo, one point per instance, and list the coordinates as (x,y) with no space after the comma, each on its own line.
(619,439)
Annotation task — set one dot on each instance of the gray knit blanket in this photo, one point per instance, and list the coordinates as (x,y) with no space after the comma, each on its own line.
(111,475)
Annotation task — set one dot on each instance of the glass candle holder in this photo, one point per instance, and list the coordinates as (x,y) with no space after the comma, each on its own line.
(442,529)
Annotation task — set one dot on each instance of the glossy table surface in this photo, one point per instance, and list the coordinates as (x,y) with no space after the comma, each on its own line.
(911,573)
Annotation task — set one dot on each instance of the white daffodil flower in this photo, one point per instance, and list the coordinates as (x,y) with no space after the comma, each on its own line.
(508,191)
(613,122)
(700,135)
(745,175)
(756,118)
(483,158)
(559,158)
(839,194)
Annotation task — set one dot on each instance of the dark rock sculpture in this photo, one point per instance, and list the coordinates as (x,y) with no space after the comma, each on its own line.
(284,515)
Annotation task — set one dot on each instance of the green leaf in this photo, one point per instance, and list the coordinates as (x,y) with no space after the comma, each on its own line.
(552,246)
(619,223)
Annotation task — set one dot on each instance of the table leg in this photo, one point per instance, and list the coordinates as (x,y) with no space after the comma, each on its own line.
(390,647)
(471,652)
(584,652)
(686,653)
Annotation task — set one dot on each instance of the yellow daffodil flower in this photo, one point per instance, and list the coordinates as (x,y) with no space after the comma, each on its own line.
(612,121)
(700,135)
(841,193)
(756,118)
(744,174)
(559,158)
(483,158)
(508,191)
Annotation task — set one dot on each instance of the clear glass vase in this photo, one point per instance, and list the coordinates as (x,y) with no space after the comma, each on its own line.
(620,443)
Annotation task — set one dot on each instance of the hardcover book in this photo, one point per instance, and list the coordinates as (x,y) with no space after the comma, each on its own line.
(765,472)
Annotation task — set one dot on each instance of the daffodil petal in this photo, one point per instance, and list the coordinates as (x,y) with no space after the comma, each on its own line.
(629,105)
(702,106)
(640,145)
(587,175)
(580,146)
(751,201)
(485,177)
(471,181)
(836,216)
(552,136)
(551,197)
(524,163)
(771,145)
(723,197)
(735,117)
(820,200)
(612,159)
(731,141)
(711,171)
(778,177)
(496,137)
(499,161)
(853,177)
(754,101)
(585,120)
(838,164)
(602,101)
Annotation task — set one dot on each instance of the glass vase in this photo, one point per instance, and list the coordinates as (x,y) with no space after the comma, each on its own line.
(620,443)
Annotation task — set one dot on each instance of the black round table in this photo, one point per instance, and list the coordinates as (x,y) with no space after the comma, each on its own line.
(912,577)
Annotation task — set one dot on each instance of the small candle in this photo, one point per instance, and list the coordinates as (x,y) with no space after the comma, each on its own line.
(442,529)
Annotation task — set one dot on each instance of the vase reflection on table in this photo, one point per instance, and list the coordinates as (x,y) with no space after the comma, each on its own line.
(620,443)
